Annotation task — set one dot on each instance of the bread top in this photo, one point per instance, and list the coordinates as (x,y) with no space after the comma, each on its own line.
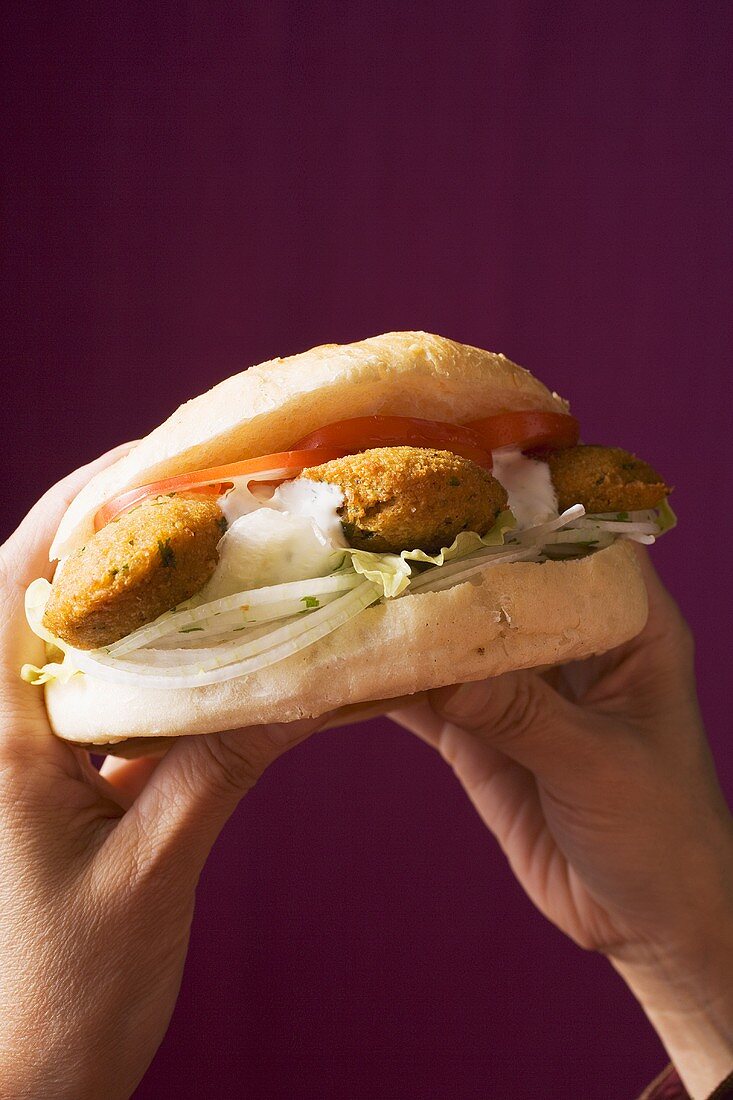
(269,407)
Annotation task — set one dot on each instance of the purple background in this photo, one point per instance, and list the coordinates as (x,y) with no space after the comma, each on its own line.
(193,187)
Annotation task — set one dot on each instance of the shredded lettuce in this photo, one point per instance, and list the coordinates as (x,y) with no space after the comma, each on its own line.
(62,672)
(392,572)
(388,571)
(36,598)
(667,519)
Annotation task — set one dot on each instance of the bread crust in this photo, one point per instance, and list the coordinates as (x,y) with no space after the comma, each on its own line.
(510,616)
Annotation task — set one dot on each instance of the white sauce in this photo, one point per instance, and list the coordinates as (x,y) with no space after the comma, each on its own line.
(290,534)
(246,496)
(315,500)
(528,484)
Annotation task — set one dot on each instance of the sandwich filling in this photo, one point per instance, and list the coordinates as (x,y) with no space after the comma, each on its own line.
(214,574)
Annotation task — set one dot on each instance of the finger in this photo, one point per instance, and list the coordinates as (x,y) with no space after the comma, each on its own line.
(524,718)
(502,791)
(129,777)
(420,719)
(659,661)
(666,623)
(191,794)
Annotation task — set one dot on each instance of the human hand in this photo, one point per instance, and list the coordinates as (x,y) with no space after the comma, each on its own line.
(597,781)
(97,872)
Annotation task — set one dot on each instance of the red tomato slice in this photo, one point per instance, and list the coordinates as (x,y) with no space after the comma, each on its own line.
(283,465)
(363,432)
(527,430)
(475,441)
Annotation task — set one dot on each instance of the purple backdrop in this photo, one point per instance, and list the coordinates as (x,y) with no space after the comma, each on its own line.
(190,188)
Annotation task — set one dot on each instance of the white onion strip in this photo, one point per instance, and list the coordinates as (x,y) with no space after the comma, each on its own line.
(199,640)
(616,527)
(648,515)
(242,658)
(535,535)
(598,540)
(445,576)
(173,621)
(229,622)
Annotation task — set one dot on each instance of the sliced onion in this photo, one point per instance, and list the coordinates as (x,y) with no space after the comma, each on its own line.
(213,651)
(445,576)
(645,540)
(580,538)
(616,527)
(198,639)
(172,621)
(239,620)
(233,660)
(535,535)
(647,515)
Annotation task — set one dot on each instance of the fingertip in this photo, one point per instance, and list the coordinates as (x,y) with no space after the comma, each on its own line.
(421,719)
(129,777)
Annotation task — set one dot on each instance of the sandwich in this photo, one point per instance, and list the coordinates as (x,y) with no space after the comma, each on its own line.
(334,532)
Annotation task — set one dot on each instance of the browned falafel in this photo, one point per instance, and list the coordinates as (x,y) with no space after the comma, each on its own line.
(408,498)
(604,479)
(134,569)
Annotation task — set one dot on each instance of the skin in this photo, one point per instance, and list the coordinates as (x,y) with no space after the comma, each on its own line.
(596,781)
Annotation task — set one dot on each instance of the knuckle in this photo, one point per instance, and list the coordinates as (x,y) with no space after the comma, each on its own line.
(465,706)
(233,765)
(511,706)
(520,712)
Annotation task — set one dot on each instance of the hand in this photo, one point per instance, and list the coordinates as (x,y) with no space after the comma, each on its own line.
(97,872)
(597,781)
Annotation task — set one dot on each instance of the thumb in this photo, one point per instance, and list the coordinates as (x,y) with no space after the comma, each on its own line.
(197,785)
(519,714)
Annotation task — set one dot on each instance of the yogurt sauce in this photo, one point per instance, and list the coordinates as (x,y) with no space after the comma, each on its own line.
(314,500)
(529,487)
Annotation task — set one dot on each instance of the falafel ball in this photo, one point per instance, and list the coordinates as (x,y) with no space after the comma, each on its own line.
(604,479)
(138,566)
(409,498)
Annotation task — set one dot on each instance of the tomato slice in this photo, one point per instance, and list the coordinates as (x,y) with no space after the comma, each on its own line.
(527,430)
(363,432)
(475,441)
(212,482)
